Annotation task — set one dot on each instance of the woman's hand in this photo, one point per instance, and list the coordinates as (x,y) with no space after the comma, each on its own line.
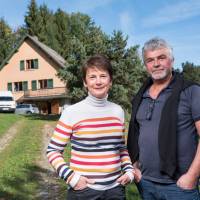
(124,179)
(82,183)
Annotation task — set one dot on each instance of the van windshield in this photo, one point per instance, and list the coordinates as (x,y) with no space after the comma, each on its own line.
(6,99)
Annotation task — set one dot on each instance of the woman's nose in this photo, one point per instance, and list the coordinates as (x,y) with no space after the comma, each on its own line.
(98,80)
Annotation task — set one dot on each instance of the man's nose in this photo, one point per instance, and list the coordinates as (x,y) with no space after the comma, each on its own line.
(156,62)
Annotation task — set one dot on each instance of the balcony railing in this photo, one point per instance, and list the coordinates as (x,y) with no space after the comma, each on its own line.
(46,92)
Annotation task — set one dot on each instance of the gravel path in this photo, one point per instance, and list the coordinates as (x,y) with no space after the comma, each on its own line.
(6,139)
(48,179)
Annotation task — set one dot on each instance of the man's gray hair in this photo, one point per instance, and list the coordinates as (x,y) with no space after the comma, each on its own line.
(157,43)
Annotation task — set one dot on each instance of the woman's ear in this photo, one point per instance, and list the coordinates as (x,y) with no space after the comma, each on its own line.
(85,84)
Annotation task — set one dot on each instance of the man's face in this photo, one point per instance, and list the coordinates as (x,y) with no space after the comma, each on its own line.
(158,63)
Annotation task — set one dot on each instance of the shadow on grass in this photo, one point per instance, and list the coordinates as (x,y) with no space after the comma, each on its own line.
(43,117)
(28,186)
(25,187)
(18,185)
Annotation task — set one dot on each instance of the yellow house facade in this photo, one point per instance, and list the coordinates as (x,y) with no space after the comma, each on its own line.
(30,72)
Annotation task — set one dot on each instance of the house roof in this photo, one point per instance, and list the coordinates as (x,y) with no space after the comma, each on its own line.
(47,50)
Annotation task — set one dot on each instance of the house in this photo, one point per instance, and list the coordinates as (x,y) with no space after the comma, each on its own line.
(30,72)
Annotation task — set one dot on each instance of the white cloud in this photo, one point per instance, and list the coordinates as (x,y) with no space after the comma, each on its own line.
(173,13)
(125,22)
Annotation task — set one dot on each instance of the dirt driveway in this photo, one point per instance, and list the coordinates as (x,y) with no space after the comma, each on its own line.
(48,179)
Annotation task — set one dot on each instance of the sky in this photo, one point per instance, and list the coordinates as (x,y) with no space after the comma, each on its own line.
(176,21)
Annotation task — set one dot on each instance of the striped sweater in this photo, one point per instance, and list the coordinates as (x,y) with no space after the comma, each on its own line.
(95,129)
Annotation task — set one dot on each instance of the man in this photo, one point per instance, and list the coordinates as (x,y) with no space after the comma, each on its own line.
(163,138)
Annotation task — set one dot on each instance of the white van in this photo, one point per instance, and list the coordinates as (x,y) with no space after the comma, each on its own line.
(7,102)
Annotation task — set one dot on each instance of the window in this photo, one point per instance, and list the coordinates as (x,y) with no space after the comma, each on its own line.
(6,98)
(42,84)
(9,86)
(28,64)
(23,106)
(18,86)
(32,64)
(21,86)
(45,83)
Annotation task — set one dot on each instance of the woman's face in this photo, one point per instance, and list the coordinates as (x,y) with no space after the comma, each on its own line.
(98,82)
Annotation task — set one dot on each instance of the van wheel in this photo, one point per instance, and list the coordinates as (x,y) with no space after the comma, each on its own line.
(28,113)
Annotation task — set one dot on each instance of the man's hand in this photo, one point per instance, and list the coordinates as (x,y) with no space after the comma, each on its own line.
(137,175)
(82,183)
(187,181)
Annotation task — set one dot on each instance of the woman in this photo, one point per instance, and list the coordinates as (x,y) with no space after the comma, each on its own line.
(100,165)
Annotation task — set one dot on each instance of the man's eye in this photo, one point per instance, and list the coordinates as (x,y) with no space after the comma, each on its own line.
(162,57)
(149,61)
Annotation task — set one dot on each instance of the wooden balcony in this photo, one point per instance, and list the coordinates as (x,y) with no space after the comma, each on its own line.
(50,92)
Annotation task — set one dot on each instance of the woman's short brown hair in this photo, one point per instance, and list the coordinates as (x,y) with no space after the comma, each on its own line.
(99,61)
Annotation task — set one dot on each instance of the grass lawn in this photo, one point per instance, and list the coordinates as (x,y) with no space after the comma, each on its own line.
(17,161)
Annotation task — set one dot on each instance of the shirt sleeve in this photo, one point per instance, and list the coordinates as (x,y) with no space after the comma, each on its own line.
(124,156)
(195,102)
(59,140)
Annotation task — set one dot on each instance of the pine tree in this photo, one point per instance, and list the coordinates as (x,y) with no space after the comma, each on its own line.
(128,70)
(191,71)
(33,19)
(62,32)
(46,18)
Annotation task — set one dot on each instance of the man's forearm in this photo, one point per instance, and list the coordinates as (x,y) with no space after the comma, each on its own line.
(194,169)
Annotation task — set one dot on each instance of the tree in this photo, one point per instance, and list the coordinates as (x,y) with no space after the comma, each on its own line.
(128,70)
(191,71)
(62,32)
(33,19)
(84,40)
(47,24)
(6,39)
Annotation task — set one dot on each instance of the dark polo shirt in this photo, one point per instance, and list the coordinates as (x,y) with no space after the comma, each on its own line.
(148,117)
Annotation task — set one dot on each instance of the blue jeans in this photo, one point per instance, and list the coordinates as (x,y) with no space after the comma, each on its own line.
(117,193)
(156,191)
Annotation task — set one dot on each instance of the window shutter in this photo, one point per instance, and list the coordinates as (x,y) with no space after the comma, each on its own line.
(50,83)
(9,86)
(21,65)
(34,85)
(25,85)
(35,63)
